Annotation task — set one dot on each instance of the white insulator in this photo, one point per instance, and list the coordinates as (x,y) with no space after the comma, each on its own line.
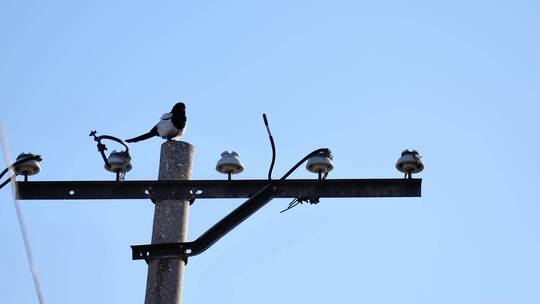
(119,162)
(410,162)
(29,167)
(320,164)
(229,163)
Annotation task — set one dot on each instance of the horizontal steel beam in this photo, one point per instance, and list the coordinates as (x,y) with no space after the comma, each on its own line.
(303,188)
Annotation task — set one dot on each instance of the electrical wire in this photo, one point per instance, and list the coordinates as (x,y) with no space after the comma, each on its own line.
(273,147)
(7,181)
(18,162)
(20,219)
(297,201)
(14,165)
(325,151)
(292,204)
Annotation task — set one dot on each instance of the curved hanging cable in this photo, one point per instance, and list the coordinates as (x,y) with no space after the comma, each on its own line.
(22,225)
(323,151)
(273,147)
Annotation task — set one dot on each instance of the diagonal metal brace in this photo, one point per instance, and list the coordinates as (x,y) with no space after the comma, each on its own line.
(212,235)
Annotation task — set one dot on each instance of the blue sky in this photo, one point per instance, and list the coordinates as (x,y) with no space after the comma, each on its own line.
(456,80)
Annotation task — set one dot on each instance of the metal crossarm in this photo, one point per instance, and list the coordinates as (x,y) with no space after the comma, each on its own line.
(303,188)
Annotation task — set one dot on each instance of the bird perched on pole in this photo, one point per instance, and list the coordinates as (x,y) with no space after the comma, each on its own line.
(171,125)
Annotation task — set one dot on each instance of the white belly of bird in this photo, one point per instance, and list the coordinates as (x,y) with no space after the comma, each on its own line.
(166,129)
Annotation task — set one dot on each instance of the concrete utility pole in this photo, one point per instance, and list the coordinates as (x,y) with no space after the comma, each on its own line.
(166,275)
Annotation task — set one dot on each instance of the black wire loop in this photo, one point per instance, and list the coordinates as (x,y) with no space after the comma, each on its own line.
(102,147)
(322,152)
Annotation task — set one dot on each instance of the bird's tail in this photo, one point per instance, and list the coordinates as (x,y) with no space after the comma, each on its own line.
(152,133)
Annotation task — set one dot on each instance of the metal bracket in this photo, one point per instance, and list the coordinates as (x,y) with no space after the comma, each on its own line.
(212,235)
(161,251)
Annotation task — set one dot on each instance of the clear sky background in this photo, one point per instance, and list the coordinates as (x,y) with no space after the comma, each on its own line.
(456,80)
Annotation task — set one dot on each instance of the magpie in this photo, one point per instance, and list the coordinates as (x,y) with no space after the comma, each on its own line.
(170,126)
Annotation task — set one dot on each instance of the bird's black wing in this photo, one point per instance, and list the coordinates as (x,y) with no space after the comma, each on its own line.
(179,115)
(179,120)
(153,132)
